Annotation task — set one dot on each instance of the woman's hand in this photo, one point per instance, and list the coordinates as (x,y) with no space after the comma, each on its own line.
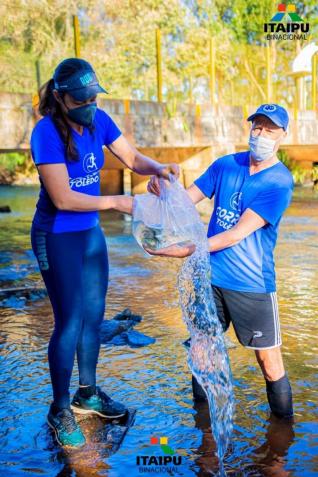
(176,251)
(167,170)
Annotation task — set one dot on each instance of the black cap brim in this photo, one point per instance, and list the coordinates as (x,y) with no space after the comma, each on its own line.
(82,94)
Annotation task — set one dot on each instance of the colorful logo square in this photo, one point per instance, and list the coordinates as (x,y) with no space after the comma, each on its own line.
(163,440)
(291,8)
(282,7)
(154,440)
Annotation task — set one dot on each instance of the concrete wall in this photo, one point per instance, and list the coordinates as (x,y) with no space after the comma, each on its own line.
(149,124)
(193,135)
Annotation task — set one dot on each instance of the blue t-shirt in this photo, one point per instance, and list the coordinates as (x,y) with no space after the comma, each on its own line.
(47,148)
(249,265)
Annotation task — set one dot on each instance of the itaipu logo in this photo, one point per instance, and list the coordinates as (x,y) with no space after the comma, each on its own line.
(286,24)
(165,462)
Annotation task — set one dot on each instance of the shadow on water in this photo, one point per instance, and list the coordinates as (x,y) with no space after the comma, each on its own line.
(155,380)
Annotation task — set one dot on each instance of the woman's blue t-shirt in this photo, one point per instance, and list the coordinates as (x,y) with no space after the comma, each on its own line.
(84,174)
(249,265)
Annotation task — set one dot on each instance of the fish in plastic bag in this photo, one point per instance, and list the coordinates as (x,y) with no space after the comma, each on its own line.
(168,219)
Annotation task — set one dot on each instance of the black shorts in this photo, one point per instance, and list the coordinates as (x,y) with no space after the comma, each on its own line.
(254,316)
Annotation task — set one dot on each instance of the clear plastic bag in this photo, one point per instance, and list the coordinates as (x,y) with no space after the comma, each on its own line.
(170,219)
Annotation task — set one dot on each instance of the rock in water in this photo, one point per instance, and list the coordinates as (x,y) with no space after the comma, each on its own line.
(111,328)
(118,331)
(127,314)
(137,339)
(5,209)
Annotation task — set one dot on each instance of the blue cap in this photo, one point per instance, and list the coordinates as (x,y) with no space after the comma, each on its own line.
(274,112)
(81,85)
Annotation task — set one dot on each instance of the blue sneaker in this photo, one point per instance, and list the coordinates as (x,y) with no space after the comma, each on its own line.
(65,427)
(99,403)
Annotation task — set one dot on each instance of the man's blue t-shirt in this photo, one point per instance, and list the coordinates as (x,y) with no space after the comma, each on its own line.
(47,148)
(249,265)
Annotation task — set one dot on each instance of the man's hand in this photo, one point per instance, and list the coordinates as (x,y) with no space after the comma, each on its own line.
(176,251)
(153,185)
(165,171)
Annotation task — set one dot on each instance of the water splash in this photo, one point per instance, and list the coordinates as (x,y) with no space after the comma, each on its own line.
(164,221)
(207,355)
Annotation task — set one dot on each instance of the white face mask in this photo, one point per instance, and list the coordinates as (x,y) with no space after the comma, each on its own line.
(262,148)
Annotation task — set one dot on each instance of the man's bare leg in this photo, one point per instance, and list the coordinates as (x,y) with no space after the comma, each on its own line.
(278,389)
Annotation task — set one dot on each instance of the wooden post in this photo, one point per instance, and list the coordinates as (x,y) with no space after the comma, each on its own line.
(268,73)
(77,37)
(159,65)
(314,82)
(190,90)
(212,70)
(38,73)
(296,100)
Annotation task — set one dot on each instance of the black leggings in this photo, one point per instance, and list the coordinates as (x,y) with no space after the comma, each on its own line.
(74,267)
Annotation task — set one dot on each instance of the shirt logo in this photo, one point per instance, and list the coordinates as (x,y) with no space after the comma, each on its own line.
(84,181)
(89,163)
(235,200)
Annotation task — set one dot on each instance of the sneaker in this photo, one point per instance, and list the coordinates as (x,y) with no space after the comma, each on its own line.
(99,403)
(65,427)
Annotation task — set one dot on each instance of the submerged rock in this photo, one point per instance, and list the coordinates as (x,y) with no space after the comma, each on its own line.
(127,314)
(17,297)
(5,208)
(118,331)
(136,339)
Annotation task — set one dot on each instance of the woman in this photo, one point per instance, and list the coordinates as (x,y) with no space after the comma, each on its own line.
(67,239)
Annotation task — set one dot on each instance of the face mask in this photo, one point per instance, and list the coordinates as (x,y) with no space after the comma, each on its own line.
(261,147)
(83,115)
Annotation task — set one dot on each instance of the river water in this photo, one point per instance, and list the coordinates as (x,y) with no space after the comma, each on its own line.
(155,380)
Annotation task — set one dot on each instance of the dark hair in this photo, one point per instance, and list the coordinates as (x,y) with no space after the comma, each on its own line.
(50,106)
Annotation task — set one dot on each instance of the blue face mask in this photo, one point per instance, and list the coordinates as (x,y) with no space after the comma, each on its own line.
(83,115)
(262,148)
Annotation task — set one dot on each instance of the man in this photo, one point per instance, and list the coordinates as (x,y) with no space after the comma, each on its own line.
(251,191)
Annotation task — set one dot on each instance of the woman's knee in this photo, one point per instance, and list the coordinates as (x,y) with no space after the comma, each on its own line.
(65,338)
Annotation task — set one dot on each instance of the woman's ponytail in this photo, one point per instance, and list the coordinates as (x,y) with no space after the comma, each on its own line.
(50,106)
(47,100)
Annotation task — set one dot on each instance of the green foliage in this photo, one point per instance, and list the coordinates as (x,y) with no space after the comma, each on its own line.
(299,174)
(118,38)
(11,160)
(314,173)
